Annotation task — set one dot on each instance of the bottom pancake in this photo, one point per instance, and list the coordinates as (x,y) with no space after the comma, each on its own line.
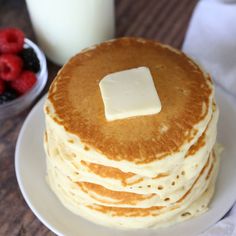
(193,203)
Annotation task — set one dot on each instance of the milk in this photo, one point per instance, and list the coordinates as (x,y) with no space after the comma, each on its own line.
(65,27)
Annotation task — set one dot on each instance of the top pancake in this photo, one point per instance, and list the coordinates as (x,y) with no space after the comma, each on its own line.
(184,90)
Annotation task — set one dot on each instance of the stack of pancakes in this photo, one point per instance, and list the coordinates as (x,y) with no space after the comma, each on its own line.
(145,171)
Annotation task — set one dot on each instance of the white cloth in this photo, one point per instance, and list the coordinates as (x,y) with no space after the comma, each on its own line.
(225,227)
(211,41)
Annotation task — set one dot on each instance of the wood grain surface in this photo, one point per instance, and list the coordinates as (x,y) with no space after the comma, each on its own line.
(162,20)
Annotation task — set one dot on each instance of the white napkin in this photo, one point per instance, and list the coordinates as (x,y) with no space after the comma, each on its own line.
(225,227)
(211,41)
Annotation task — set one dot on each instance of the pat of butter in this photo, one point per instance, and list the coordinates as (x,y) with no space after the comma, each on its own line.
(129,93)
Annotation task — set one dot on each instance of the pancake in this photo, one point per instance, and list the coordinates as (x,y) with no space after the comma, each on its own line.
(114,179)
(140,143)
(89,192)
(192,204)
(139,172)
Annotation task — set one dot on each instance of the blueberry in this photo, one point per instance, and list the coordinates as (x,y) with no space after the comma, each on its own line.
(30,60)
(8,96)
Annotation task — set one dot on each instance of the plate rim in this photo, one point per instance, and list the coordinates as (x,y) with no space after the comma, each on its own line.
(18,177)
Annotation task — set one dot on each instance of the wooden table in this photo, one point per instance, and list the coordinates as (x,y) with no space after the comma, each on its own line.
(163,20)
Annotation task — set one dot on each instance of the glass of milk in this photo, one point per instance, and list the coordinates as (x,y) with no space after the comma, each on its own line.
(65,27)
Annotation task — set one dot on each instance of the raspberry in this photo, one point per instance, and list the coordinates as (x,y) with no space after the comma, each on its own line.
(30,59)
(24,83)
(11,40)
(10,66)
(2,86)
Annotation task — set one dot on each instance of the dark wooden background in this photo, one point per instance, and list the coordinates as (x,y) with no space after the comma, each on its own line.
(163,20)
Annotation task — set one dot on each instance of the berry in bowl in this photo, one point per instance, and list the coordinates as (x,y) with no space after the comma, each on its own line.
(23,72)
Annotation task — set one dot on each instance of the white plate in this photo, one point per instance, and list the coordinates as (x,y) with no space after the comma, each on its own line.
(31,171)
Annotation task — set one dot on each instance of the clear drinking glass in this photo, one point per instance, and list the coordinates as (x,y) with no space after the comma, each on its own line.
(65,27)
